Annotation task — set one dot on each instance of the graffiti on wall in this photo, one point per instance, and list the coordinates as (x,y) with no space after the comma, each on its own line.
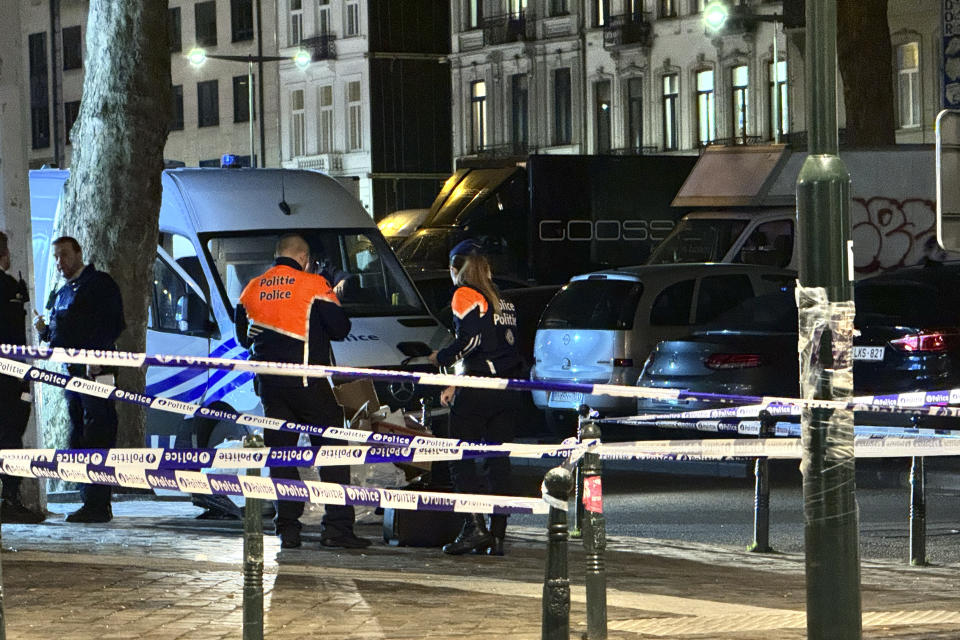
(889,233)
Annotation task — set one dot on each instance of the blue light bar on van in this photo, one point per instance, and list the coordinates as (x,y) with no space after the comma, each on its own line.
(229,161)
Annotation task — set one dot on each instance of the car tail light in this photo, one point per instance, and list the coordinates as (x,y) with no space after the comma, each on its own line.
(921,342)
(623,362)
(733,361)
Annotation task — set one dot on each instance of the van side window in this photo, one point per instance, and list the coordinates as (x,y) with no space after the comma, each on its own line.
(771,244)
(175,307)
(672,306)
(719,293)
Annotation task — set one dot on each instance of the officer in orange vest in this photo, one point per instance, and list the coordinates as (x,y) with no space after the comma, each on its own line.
(289,315)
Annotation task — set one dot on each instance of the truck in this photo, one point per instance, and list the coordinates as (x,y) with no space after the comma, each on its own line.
(741,207)
(550,217)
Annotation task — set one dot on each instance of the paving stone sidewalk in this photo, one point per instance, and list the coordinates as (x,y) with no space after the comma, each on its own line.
(156,572)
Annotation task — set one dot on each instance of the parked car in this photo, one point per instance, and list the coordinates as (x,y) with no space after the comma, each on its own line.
(601,326)
(908,339)
(400,225)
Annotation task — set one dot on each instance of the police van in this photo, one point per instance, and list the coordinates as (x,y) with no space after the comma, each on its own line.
(218,229)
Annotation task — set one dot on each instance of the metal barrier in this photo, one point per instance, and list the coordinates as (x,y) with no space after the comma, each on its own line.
(555,621)
(761,501)
(918,512)
(253,558)
(594,539)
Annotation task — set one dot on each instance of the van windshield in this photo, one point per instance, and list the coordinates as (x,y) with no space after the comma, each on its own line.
(593,304)
(698,240)
(366,275)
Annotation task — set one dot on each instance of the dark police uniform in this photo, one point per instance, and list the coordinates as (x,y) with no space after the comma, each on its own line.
(87,313)
(14,393)
(288,315)
(485,343)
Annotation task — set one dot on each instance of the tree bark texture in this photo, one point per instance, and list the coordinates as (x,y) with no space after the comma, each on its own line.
(866,66)
(112,199)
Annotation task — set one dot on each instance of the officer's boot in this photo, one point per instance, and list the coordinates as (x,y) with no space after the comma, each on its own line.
(474,535)
(498,531)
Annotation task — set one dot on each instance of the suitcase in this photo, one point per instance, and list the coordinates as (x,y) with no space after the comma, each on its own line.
(406,528)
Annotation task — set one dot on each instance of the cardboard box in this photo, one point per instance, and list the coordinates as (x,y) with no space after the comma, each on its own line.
(358,399)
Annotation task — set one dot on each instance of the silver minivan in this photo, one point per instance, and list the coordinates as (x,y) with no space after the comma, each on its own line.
(600,327)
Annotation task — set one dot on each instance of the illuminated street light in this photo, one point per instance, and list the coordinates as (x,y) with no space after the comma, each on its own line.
(197,57)
(715,15)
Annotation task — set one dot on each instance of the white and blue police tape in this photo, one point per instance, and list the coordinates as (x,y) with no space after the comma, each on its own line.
(266,488)
(781,429)
(269,457)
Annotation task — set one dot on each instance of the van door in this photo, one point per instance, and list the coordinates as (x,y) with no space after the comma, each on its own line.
(179,322)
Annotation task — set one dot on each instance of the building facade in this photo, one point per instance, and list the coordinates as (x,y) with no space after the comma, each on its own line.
(644,76)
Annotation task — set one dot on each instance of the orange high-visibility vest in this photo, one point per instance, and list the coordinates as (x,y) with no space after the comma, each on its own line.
(281,299)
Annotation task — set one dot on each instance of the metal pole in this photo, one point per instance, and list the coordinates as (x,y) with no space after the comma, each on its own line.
(776,88)
(594,539)
(576,530)
(253,156)
(253,558)
(555,621)
(761,497)
(824,295)
(918,513)
(3,614)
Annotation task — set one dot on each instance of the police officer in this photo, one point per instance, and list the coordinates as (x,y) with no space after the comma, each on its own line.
(85,313)
(14,394)
(486,329)
(289,315)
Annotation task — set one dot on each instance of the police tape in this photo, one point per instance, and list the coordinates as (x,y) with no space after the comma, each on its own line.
(909,402)
(266,488)
(865,446)
(269,457)
(102,390)
(779,429)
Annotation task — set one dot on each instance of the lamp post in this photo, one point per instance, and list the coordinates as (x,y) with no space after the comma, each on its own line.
(198,57)
(715,15)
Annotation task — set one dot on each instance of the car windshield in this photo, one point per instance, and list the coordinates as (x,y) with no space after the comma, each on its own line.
(593,304)
(698,240)
(774,313)
(427,249)
(367,277)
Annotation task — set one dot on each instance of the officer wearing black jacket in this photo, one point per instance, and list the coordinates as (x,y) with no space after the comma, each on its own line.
(85,313)
(289,315)
(14,393)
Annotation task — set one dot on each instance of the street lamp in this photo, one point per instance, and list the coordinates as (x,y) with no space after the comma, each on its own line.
(197,57)
(715,16)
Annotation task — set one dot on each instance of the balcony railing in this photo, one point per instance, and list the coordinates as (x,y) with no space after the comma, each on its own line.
(321,47)
(634,151)
(628,29)
(332,161)
(508,150)
(509,27)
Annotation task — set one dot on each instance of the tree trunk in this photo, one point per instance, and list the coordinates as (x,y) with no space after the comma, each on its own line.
(866,66)
(112,200)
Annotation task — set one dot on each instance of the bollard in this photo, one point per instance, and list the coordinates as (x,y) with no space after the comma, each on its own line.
(576,527)
(594,539)
(761,500)
(253,558)
(918,513)
(555,620)
(3,615)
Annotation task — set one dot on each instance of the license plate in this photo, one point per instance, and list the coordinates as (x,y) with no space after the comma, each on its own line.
(872,354)
(566,399)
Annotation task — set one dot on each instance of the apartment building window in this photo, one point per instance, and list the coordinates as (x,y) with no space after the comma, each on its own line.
(295,24)
(778,96)
(739,101)
(516,7)
(176,108)
(697,6)
(668,8)
(601,12)
(635,113)
(173,29)
(325,119)
(297,130)
(39,91)
(562,107)
(474,13)
(908,85)
(671,131)
(208,104)
(323,17)
(241,20)
(241,98)
(706,108)
(71,110)
(601,94)
(205,15)
(478,116)
(354,117)
(519,96)
(72,48)
(558,8)
(352,11)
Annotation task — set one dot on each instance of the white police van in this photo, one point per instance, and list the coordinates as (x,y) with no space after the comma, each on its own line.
(218,229)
